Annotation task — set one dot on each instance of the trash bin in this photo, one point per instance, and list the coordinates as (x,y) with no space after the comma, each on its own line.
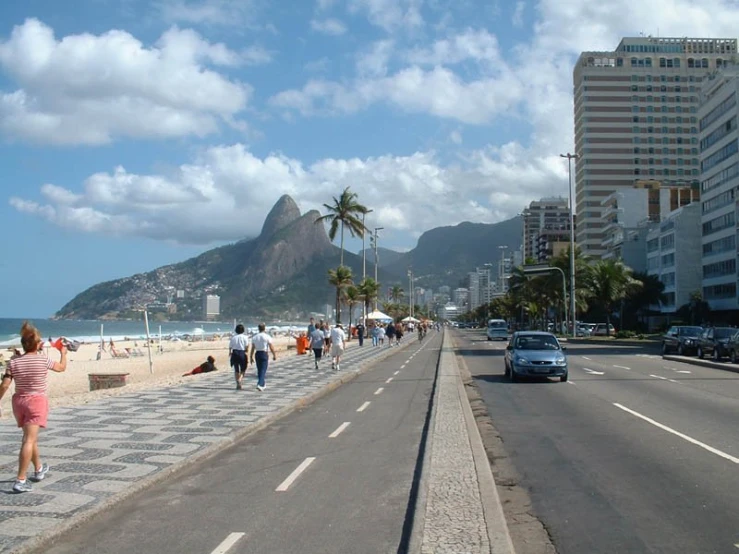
(300,343)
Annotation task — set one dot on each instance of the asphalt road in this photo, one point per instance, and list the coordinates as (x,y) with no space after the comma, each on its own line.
(633,455)
(326,479)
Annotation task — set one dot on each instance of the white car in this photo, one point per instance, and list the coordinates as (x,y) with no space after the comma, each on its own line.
(600,330)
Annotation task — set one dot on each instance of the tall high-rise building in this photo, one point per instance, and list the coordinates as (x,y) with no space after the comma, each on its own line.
(545,222)
(636,118)
(211,306)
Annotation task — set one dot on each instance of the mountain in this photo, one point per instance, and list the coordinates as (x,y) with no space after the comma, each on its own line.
(444,255)
(387,256)
(280,274)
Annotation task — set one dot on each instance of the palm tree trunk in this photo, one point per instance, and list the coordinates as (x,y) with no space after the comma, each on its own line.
(342,243)
(608,323)
(338,305)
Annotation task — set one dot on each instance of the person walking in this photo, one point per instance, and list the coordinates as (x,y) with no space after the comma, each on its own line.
(311,327)
(316,344)
(360,332)
(326,339)
(238,347)
(398,335)
(390,334)
(30,371)
(261,345)
(338,339)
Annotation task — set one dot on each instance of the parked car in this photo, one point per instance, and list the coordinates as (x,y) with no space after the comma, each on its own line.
(584,329)
(600,330)
(713,342)
(535,354)
(682,339)
(732,345)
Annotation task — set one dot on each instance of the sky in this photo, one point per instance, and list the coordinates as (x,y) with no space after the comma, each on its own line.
(138,133)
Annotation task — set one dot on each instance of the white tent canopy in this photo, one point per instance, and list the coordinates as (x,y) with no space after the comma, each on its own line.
(410,319)
(379,316)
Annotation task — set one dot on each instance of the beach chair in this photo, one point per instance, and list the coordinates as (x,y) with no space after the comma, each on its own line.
(116,354)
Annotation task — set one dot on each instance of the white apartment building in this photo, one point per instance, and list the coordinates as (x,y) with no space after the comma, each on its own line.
(719,182)
(636,118)
(673,248)
(211,306)
(546,222)
(461,298)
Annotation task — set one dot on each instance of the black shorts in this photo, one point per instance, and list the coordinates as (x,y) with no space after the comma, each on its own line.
(238,361)
(318,352)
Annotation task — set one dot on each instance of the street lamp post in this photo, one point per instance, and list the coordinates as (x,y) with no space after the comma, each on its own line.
(377,259)
(364,263)
(410,291)
(573,308)
(501,274)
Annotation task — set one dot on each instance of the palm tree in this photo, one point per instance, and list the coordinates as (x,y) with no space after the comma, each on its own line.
(369,290)
(610,282)
(651,293)
(396,294)
(341,278)
(343,213)
(352,297)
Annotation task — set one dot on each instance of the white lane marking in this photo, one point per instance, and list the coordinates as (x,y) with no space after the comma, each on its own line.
(396,372)
(571,382)
(673,381)
(585,358)
(658,377)
(679,434)
(389,380)
(378,391)
(294,475)
(363,407)
(683,371)
(593,372)
(227,543)
(403,366)
(623,367)
(339,429)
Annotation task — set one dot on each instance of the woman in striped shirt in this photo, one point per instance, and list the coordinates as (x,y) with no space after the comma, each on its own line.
(30,371)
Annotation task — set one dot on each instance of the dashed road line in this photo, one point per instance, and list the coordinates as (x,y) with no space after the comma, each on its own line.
(379,391)
(622,367)
(673,381)
(294,475)
(585,358)
(389,380)
(396,372)
(678,434)
(683,371)
(364,406)
(227,543)
(339,429)
(658,377)
(593,372)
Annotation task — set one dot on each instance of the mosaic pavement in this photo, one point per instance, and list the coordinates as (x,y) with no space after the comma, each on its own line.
(99,449)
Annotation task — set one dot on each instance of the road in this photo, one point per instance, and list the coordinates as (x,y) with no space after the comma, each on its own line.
(632,455)
(336,476)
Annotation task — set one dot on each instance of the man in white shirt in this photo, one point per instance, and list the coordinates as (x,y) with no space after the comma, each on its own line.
(338,337)
(238,346)
(317,343)
(261,345)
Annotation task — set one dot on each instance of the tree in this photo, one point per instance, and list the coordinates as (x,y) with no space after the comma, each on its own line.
(610,282)
(343,214)
(583,269)
(352,297)
(396,294)
(638,301)
(697,311)
(341,278)
(369,289)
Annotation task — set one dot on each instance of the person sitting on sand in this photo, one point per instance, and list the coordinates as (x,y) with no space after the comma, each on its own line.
(206,367)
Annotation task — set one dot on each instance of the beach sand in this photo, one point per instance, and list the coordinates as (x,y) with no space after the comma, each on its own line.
(72,386)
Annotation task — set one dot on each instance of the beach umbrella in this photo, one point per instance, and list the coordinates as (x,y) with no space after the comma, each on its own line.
(377,315)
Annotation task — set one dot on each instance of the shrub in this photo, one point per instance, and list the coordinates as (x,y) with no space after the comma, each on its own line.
(625,335)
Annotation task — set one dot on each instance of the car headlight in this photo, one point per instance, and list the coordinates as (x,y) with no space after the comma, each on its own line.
(520,360)
(560,361)
(688,341)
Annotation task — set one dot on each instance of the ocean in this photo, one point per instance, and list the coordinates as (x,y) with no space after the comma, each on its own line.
(89,331)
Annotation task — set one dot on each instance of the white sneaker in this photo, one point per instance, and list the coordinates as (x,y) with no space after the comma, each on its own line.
(260,388)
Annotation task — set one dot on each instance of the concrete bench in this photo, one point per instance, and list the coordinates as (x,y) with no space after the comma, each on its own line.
(100,381)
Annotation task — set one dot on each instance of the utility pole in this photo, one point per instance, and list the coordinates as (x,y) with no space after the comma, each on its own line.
(377,260)
(410,291)
(364,263)
(573,313)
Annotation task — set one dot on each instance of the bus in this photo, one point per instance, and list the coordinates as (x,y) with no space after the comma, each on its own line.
(497,329)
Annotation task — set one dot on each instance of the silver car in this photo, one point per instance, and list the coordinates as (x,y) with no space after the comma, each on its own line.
(535,354)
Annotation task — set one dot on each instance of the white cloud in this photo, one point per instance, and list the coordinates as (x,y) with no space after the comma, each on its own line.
(374,61)
(255,55)
(391,15)
(455,137)
(325,4)
(330,26)
(226,191)
(470,44)
(91,89)
(517,17)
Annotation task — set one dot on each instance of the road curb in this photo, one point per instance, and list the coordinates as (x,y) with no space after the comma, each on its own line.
(35,544)
(727,366)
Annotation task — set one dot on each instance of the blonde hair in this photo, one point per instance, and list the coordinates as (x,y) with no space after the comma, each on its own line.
(30,337)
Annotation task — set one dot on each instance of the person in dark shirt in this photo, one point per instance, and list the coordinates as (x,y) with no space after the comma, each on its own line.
(206,367)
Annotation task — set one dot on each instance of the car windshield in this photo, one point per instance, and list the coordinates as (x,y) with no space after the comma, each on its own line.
(690,331)
(725,332)
(537,342)
(497,325)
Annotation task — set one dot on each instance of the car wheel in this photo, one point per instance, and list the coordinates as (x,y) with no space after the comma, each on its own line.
(700,352)
(514,377)
(664,349)
(680,350)
(489,339)
(507,371)
(716,354)
(563,378)
(732,356)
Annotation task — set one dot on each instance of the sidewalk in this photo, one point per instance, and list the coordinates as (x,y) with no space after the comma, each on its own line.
(104,451)
(458,508)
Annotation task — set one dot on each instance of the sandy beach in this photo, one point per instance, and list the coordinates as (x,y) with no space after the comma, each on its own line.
(72,387)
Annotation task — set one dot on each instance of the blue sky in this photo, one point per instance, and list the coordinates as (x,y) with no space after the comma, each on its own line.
(139,133)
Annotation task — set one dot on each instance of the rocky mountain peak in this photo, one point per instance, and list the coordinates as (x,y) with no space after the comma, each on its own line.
(282,214)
